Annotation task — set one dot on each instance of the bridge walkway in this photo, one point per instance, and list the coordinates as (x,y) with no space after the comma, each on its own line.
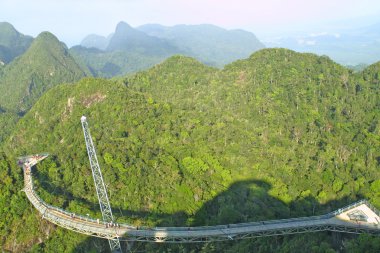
(359,217)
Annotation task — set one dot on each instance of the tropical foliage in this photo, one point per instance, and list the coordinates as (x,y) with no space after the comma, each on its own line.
(278,135)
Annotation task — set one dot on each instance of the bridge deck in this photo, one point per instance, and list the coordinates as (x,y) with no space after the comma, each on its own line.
(359,217)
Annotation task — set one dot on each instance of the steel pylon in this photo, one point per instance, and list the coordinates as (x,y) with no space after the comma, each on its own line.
(101,190)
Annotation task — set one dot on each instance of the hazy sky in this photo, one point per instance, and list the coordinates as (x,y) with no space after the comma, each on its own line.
(72,20)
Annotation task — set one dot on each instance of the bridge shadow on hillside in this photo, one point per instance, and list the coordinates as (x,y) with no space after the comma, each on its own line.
(243,201)
(44,182)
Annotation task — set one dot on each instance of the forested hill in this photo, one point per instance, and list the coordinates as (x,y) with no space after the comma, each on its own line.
(46,63)
(372,73)
(280,134)
(12,43)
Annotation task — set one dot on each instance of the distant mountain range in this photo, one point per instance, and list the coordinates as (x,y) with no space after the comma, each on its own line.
(208,43)
(129,49)
(125,51)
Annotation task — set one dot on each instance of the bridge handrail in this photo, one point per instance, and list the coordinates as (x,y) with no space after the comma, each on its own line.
(47,209)
(348,207)
(50,207)
(212,227)
(197,228)
(236,225)
(372,207)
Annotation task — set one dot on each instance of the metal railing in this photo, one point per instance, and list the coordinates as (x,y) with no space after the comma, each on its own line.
(96,227)
(348,207)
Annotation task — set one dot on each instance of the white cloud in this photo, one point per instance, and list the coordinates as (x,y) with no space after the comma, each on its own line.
(318,34)
(310,42)
(306,42)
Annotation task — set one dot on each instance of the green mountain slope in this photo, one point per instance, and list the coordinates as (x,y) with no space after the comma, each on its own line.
(45,64)
(109,64)
(12,43)
(278,135)
(372,73)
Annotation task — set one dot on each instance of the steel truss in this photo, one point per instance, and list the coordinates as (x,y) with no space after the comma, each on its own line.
(101,190)
(248,235)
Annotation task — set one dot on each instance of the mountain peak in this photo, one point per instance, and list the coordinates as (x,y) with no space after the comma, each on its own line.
(131,39)
(95,41)
(5,26)
(48,43)
(12,43)
(48,39)
(45,64)
(46,35)
(122,27)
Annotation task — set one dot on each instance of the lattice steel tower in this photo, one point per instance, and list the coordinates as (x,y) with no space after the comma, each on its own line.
(99,184)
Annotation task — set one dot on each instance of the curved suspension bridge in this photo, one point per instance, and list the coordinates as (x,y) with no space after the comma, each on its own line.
(359,217)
